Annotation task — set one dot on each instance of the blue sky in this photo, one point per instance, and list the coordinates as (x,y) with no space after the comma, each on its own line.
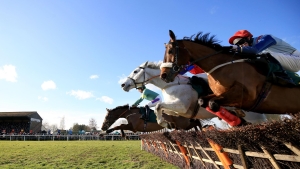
(67,58)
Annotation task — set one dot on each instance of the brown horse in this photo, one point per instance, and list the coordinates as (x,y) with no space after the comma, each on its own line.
(234,81)
(136,124)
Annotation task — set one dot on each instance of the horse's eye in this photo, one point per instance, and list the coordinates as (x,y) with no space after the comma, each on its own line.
(170,51)
(135,71)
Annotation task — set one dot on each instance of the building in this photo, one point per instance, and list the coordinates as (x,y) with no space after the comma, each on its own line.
(20,122)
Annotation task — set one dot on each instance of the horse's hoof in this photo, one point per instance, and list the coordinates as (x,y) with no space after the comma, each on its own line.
(214,106)
(171,126)
(164,124)
(202,102)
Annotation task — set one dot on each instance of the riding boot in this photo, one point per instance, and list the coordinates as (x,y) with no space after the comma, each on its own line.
(147,112)
(282,78)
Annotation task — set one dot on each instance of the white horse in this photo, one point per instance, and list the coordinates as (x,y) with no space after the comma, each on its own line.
(180,99)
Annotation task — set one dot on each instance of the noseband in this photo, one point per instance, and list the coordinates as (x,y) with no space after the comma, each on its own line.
(137,83)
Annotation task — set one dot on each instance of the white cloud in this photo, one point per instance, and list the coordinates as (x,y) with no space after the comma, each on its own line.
(94,77)
(8,73)
(47,85)
(81,95)
(122,79)
(106,99)
(43,98)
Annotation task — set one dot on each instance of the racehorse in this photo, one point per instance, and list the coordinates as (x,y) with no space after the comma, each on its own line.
(176,101)
(234,81)
(179,96)
(135,124)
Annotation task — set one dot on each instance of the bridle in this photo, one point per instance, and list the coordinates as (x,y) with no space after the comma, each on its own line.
(144,81)
(125,112)
(175,68)
(130,114)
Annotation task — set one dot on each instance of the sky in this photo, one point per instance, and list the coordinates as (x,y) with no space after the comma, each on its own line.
(67,59)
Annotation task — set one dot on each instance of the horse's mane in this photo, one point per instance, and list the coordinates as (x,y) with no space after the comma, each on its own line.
(154,65)
(120,107)
(204,39)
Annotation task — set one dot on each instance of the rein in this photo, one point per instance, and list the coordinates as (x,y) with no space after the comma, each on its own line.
(125,112)
(204,57)
(176,68)
(143,82)
(135,83)
(224,64)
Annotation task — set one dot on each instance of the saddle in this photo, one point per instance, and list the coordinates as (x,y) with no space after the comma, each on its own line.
(152,116)
(268,66)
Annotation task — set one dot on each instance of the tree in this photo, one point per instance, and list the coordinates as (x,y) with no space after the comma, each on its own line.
(93,124)
(46,125)
(78,127)
(53,127)
(62,123)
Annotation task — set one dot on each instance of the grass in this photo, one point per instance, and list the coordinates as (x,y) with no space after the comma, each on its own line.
(77,154)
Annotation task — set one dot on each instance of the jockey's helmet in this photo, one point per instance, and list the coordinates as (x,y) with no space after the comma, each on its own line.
(239,35)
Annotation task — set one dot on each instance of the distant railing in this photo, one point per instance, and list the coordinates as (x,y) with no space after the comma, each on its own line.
(107,137)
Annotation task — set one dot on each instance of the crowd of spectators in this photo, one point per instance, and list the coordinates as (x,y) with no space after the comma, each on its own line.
(14,128)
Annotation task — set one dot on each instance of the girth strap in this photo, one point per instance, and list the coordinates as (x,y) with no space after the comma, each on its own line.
(262,95)
(195,112)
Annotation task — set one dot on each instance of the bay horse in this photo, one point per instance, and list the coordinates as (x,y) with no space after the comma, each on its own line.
(234,81)
(179,96)
(132,115)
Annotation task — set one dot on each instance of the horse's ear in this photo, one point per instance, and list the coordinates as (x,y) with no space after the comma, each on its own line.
(107,109)
(172,36)
(146,63)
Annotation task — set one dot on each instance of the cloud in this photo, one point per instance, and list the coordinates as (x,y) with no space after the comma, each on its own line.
(81,95)
(94,77)
(122,79)
(43,98)
(8,73)
(106,99)
(47,85)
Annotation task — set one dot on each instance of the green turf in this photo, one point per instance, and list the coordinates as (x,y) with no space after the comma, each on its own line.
(77,154)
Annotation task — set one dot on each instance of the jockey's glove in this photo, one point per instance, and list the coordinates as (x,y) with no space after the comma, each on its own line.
(227,48)
(234,47)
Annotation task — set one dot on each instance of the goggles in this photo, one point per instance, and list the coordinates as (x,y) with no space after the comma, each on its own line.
(240,41)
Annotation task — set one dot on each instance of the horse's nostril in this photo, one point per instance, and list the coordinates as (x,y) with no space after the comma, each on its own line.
(122,85)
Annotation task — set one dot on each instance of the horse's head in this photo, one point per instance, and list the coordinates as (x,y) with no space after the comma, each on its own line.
(136,78)
(173,61)
(108,121)
(113,115)
(141,75)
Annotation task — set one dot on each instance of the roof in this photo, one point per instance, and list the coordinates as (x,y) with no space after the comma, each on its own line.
(20,114)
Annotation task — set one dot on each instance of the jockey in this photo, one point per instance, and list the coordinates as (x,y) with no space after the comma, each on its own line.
(284,53)
(148,95)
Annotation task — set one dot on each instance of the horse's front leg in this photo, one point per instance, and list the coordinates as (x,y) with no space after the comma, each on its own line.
(159,118)
(175,108)
(232,97)
(203,101)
